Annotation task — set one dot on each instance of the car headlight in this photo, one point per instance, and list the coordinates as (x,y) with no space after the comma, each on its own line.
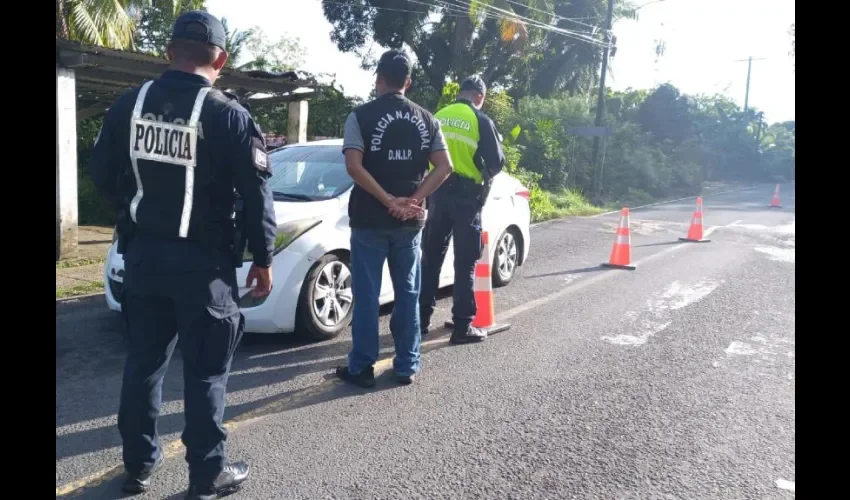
(287,233)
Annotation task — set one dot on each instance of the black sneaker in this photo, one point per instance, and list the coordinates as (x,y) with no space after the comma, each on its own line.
(141,481)
(227,482)
(364,379)
(470,336)
(405,379)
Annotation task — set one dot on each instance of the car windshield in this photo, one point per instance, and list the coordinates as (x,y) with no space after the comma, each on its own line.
(309,173)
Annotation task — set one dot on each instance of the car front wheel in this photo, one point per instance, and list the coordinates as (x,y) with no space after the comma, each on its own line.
(326,299)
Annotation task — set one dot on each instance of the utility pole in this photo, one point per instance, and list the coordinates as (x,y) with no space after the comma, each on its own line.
(600,101)
(749,72)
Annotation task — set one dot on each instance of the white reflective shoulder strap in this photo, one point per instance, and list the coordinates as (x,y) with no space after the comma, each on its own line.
(137,113)
(189,186)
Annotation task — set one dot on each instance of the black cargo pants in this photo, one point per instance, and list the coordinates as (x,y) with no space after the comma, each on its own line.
(201,307)
(452,212)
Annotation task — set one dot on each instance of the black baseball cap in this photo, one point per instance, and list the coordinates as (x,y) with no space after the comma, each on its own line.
(396,64)
(200,26)
(474,83)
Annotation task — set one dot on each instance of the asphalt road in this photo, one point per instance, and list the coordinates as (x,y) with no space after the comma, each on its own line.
(676,380)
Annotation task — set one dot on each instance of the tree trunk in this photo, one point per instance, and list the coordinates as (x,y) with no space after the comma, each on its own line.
(62,20)
(462,37)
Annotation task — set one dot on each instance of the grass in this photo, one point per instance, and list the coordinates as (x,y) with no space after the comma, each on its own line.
(548,205)
(81,289)
(86,261)
(565,203)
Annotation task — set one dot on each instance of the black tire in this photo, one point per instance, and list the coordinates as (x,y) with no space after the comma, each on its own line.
(498,279)
(307,323)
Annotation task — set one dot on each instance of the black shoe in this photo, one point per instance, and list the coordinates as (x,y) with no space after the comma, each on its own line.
(469,336)
(424,325)
(405,379)
(227,482)
(141,481)
(364,379)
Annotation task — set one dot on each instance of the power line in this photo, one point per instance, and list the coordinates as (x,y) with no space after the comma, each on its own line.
(508,15)
(749,72)
(555,16)
(460,11)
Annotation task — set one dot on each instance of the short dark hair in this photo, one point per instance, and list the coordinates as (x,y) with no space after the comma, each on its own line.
(394,67)
(393,80)
(194,52)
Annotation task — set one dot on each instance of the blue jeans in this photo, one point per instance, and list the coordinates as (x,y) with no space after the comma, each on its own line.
(370,248)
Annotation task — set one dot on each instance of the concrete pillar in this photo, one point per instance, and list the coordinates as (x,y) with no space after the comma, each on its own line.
(66,164)
(296,130)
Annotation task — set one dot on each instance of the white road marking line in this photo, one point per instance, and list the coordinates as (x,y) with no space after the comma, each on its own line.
(784,484)
(656,318)
(764,348)
(596,278)
(779,254)
(789,228)
(738,348)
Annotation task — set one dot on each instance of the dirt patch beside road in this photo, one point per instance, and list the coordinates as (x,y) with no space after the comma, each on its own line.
(84,274)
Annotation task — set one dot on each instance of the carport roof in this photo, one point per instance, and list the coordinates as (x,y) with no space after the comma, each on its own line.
(104,74)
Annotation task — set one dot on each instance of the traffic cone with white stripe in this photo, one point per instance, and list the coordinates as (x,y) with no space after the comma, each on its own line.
(774,203)
(695,232)
(482,288)
(621,253)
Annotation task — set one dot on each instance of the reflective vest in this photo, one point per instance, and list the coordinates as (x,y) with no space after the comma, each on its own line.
(460,128)
(164,159)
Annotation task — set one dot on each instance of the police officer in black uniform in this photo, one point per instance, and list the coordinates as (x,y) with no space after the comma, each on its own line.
(455,208)
(171,156)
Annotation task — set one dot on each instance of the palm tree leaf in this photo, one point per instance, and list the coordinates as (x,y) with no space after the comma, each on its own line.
(103,22)
(83,26)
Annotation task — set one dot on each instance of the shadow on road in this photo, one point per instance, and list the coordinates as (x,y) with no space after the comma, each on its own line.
(568,271)
(329,389)
(659,244)
(261,360)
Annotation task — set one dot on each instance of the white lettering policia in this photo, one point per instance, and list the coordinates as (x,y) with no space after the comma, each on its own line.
(386,121)
(165,142)
(455,123)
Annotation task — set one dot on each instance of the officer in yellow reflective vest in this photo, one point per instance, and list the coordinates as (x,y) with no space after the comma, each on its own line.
(455,208)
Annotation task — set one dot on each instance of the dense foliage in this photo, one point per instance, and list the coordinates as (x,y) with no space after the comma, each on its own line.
(662,143)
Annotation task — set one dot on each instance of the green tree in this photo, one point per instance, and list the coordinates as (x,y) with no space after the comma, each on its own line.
(285,54)
(665,113)
(252,50)
(528,46)
(155,22)
(107,23)
(234,42)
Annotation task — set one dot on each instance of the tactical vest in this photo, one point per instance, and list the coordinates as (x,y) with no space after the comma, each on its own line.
(460,128)
(164,157)
(397,136)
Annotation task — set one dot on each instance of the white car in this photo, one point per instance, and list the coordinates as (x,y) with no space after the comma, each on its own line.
(312,281)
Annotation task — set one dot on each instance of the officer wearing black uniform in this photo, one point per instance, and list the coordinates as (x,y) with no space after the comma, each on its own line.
(455,208)
(171,156)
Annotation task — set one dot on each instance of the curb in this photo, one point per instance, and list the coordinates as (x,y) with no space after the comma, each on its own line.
(537,224)
(80,302)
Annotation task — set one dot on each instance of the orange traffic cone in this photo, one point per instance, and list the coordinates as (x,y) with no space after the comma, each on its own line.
(485,307)
(695,231)
(774,203)
(621,253)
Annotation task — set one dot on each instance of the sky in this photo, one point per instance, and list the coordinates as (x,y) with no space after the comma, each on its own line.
(707,43)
